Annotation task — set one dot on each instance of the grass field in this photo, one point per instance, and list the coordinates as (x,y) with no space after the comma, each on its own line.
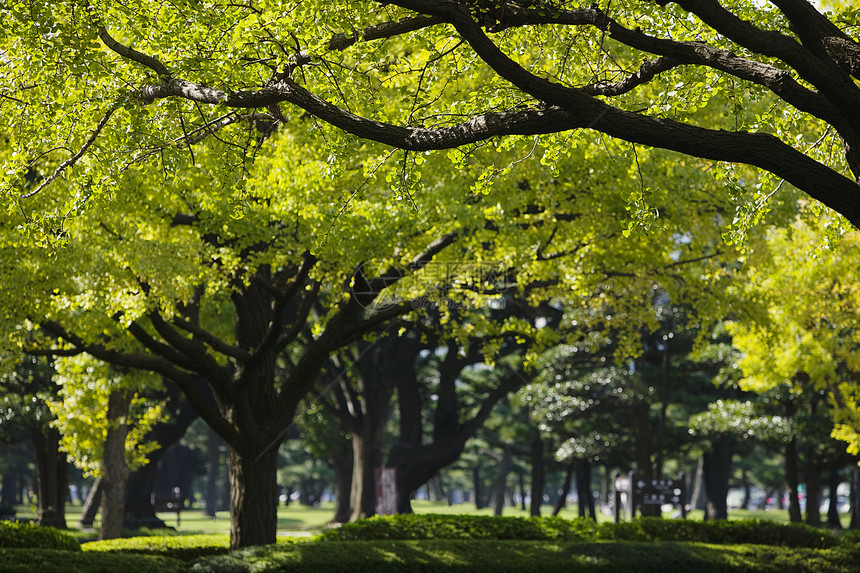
(302,520)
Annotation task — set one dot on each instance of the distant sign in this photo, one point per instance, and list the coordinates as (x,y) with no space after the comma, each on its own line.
(636,492)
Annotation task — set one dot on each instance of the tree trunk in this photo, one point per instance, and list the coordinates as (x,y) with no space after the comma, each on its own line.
(745,484)
(813,494)
(642,443)
(253,497)
(792,481)
(342,463)
(833,480)
(214,442)
(478,488)
(583,490)
(92,504)
(854,498)
(501,482)
(366,457)
(114,466)
(538,475)
(561,502)
(140,491)
(717,471)
(52,477)
(8,489)
(698,499)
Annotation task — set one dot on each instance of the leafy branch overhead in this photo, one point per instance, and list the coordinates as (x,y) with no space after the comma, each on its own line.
(395,73)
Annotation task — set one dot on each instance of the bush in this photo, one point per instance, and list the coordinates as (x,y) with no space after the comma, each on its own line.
(433,526)
(185,547)
(54,561)
(758,532)
(490,556)
(26,535)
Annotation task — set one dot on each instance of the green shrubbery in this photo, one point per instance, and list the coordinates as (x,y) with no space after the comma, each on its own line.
(720,532)
(474,543)
(54,561)
(494,556)
(430,526)
(184,547)
(26,535)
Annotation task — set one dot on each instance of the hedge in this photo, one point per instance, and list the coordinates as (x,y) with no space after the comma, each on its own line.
(435,526)
(27,535)
(56,561)
(432,526)
(184,547)
(490,556)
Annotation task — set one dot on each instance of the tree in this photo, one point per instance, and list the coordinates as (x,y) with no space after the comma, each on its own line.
(26,390)
(634,71)
(801,330)
(103,423)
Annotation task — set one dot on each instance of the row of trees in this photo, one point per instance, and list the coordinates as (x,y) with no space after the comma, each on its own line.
(178,218)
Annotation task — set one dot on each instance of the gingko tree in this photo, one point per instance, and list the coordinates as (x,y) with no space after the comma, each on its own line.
(103,422)
(93,88)
(802,328)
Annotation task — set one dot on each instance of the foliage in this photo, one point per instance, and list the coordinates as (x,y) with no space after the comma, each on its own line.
(804,331)
(430,526)
(19,534)
(81,411)
(182,547)
(740,419)
(146,80)
(755,532)
(437,526)
(53,561)
(525,556)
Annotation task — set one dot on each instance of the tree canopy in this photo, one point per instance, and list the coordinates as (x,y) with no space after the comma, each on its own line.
(94,88)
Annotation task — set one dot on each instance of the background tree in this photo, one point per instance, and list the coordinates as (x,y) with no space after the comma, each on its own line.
(27,388)
(102,424)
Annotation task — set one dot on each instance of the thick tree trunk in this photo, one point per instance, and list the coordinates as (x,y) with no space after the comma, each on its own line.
(114,466)
(717,471)
(417,464)
(561,502)
(538,475)
(833,479)
(139,509)
(52,477)
(792,481)
(253,498)
(698,499)
(92,504)
(366,458)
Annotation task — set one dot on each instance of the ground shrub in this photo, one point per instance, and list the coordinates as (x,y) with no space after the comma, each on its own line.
(55,561)
(184,547)
(27,535)
(494,556)
(435,526)
(758,532)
